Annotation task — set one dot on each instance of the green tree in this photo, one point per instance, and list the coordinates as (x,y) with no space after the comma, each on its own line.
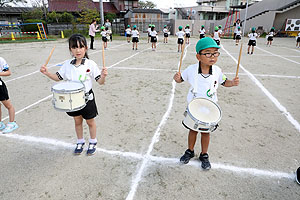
(66,17)
(36,13)
(53,17)
(5,3)
(86,14)
(110,16)
(146,5)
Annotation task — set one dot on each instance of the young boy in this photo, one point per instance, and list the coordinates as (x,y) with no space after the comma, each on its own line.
(187,31)
(202,32)
(4,98)
(298,41)
(180,34)
(252,41)
(220,31)
(135,37)
(166,34)
(238,36)
(128,33)
(104,36)
(216,36)
(209,76)
(270,36)
(148,31)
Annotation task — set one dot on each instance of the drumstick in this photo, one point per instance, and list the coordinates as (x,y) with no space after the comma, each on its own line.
(182,50)
(103,59)
(238,65)
(49,56)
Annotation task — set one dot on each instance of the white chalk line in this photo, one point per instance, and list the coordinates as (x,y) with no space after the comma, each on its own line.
(268,55)
(155,159)
(268,94)
(155,138)
(278,55)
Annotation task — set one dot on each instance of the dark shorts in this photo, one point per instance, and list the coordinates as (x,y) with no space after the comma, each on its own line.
(88,112)
(202,36)
(218,42)
(187,35)
(180,41)
(166,35)
(3,91)
(149,35)
(128,35)
(270,38)
(135,39)
(252,43)
(238,37)
(298,39)
(153,39)
(104,39)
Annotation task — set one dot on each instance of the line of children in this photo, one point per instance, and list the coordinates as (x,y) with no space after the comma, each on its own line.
(238,35)
(187,31)
(81,69)
(252,39)
(180,34)
(128,33)
(270,36)
(298,41)
(104,36)
(166,34)
(202,32)
(135,37)
(4,98)
(153,35)
(208,77)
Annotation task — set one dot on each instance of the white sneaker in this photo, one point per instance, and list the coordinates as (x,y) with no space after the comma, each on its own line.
(11,126)
(2,126)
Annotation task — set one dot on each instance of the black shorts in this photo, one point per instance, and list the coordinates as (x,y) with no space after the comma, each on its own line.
(3,91)
(298,39)
(149,35)
(218,42)
(238,37)
(135,39)
(252,43)
(202,36)
(166,35)
(128,35)
(270,38)
(104,39)
(88,112)
(153,39)
(180,41)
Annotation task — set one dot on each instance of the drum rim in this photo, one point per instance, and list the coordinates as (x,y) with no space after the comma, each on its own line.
(201,122)
(69,91)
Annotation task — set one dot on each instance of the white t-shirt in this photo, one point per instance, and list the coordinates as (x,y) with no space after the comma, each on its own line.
(203,85)
(84,73)
(128,31)
(236,27)
(298,36)
(149,30)
(187,30)
(103,33)
(271,34)
(238,32)
(3,65)
(135,33)
(216,36)
(252,36)
(220,31)
(202,31)
(165,30)
(153,33)
(180,34)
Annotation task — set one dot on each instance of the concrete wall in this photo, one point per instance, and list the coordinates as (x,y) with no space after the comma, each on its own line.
(195,25)
(280,18)
(265,21)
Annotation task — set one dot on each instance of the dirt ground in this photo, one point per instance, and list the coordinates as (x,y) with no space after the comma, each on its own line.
(254,153)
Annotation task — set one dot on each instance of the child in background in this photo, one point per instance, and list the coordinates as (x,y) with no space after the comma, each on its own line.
(104,36)
(216,36)
(252,39)
(128,33)
(298,41)
(180,34)
(4,98)
(209,76)
(166,34)
(202,32)
(81,69)
(153,35)
(270,36)
(238,36)
(108,34)
(148,31)
(220,31)
(135,37)
(187,31)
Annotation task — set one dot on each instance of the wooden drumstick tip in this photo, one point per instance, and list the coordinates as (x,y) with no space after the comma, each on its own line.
(239,60)
(47,61)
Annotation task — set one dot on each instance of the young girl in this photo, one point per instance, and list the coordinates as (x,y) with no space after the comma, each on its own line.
(92,31)
(166,34)
(252,41)
(148,31)
(202,32)
(81,69)
(238,36)
(187,31)
(128,33)
(108,34)
(135,37)
(216,36)
(298,41)
(270,36)
(237,24)
(220,31)
(4,98)
(153,35)
(180,34)
(104,36)
(208,77)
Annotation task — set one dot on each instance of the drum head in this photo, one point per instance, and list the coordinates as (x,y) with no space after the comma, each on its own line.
(68,86)
(205,110)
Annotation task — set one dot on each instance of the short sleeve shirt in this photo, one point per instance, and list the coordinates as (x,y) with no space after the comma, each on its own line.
(203,85)
(128,31)
(103,33)
(216,36)
(202,31)
(85,72)
(180,34)
(252,36)
(187,30)
(165,30)
(3,65)
(135,33)
(153,33)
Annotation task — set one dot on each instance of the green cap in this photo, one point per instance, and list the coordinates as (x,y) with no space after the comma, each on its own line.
(273,28)
(180,27)
(188,25)
(216,28)
(206,43)
(253,29)
(102,27)
(165,26)
(128,25)
(239,27)
(153,25)
(220,26)
(134,26)
(202,26)
(150,25)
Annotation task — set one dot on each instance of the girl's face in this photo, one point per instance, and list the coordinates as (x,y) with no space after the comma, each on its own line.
(78,52)
(208,56)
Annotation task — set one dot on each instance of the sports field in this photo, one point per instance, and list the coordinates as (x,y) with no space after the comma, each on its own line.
(254,153)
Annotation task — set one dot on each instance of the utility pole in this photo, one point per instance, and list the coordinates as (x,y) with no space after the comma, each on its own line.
(101,12)
(244,25)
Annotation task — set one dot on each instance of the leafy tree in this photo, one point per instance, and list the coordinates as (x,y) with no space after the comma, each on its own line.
(66,17)
(86,14)
(146,5)
(36,13)
(5,3)
(54,17)
(110,16)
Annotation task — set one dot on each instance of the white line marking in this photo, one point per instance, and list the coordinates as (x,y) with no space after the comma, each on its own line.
(156,159)
(278,55)
(155,138)
(265,75)
(144,69)
(268,94)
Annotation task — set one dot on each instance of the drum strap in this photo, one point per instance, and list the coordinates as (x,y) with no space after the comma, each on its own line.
(89,95)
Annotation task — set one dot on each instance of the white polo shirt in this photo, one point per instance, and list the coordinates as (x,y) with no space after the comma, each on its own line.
(187,30)
(153,33)
(149,30)
(203,85)
(165,30)
(271,34)
(103,33)
(180,34)
(85,72)
(128,31)
(216,36)
(252,36)
(238,32)
(135,33)
(3,65)
(202,31)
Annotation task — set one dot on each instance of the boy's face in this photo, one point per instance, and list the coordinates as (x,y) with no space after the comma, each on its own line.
(208,56)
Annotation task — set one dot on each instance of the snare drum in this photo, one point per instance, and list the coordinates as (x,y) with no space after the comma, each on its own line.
(202,115)
(68,96)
